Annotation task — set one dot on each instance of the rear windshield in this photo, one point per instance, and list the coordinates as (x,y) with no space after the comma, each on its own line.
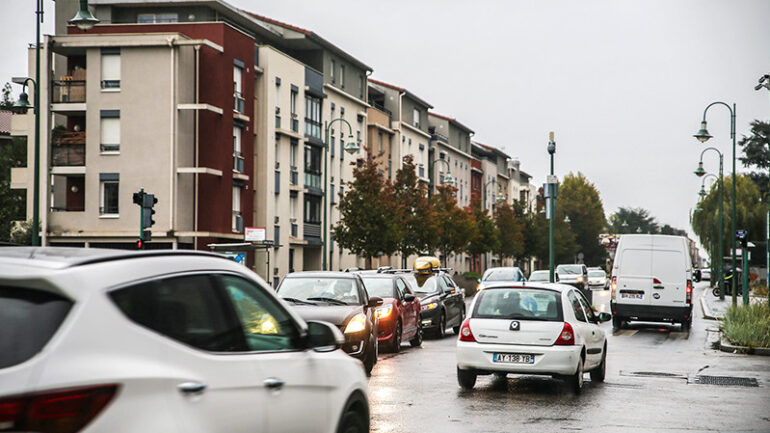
(28,319)
(516,303)
(539,276)
(502,275)
(569,269)
(596,274)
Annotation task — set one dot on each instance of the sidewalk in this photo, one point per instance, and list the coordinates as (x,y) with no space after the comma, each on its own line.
(714,308)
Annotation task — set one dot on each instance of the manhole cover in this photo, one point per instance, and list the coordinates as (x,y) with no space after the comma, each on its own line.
(725,381)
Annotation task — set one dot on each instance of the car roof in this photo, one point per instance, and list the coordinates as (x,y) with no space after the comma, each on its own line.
(67,257)
(322,274)
(556,287)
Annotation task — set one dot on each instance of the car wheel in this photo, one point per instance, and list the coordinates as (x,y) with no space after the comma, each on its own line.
(466,378)
(371,358)
(395,342)
(441,331)
(456,329)
(576,380)
(416,341)
(617,323)
(352,422)
(597,374)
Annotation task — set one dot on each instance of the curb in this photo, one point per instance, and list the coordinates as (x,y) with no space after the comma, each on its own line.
(707,313)
(724,346)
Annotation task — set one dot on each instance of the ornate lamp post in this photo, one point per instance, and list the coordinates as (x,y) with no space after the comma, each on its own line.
(351,147)
(700,172)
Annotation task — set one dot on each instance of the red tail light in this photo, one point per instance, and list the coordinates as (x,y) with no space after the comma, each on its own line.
(465,331)
(566,336)
(688,291)
(59,411)
(656,281)
(614,283)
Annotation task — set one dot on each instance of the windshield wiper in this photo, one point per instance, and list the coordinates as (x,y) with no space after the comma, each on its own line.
(329,300)
(298,301)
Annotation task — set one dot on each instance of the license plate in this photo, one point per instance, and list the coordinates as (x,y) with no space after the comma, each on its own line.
(513,358)
(632,296)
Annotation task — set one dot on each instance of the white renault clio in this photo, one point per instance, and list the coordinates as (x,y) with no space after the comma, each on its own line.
(160,341)
(531,328)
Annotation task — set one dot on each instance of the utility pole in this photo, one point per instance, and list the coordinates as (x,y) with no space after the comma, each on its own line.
(551,194)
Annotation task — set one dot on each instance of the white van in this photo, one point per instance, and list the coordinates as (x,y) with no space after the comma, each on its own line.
(652,280)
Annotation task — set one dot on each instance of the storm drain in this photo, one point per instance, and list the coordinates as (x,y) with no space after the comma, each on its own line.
(660,374)
(725,381)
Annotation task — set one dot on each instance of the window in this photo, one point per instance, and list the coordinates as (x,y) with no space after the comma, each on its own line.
(186,309)
(313,166)
(401,286)
(293,108)
(293,153)
(108,186)
(361,86)
(312,209)
(332,145)
(312,116)
(342,150)
(576,307)
(277,95)
(379,142)
(519,303)
(239,103)
(586,307)
(159,18)
(277,184)
(416,118)
(333,197)
(238,160)
(342,76)
(109,131)
(331,73)
(111,68)
(276,235)
(237,218)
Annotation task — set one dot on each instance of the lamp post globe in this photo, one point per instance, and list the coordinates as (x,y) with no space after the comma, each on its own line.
(84,19)
(703,134)
(449,180)
(352,146)
(700,172)
(22,105)
(500,196)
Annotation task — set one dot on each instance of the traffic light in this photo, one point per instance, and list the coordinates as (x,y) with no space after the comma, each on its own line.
(148,201)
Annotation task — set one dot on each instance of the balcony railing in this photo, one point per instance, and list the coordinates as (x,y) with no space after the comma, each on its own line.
(312,231)
(68,91)
(312,180)
(68,148)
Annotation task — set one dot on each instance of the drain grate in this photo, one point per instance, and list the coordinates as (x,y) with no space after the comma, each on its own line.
(725,381)
(660,374)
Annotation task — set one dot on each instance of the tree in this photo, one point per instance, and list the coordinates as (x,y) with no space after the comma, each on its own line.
(580,200)
(417,223)
(454,227)
(750,215)
(756,154)
(668,230)
(484,235)
(6,100)
(368,220)
(632,220)
(12,202)
(510,232)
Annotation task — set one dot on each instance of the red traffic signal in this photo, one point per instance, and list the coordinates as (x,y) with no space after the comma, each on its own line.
(139,244)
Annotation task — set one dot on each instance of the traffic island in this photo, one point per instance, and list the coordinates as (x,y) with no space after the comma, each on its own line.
(746,329)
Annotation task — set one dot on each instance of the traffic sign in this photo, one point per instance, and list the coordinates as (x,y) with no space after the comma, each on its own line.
(741,234)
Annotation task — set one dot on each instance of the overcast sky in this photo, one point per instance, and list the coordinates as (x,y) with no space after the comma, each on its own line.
(622,83)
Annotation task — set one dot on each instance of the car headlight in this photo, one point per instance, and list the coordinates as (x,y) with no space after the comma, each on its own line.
(356,324)
(580,279)
(430,306)
(383,312)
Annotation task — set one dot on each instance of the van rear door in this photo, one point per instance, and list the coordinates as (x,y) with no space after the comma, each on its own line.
(633,276)
(669,273)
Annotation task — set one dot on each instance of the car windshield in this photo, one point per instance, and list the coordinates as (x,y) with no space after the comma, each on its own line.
(331,290)
(429,285)
(597,274)
(517,303)
(502,274)
(381,287)
(570,269)
(539,276)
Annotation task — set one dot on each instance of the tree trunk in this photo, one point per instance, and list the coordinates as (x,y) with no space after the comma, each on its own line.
(368,262)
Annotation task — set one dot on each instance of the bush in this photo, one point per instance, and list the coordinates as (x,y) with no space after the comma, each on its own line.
(748,325)
(472,275)
(759,288)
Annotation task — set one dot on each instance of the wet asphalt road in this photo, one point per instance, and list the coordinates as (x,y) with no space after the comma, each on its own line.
(416,390)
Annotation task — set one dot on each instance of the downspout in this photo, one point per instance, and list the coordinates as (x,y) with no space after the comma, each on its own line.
(172,139)
(196,143)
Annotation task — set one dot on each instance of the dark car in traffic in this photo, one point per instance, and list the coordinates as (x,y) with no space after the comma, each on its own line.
(398,318)
(442,303)
(339,298)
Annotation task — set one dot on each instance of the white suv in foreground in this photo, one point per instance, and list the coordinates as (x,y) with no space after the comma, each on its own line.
(161,341)
(531,328)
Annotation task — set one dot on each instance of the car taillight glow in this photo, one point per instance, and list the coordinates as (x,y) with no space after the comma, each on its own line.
(614,286)
(465,331)
(688,292)
(566,336)
(58,411)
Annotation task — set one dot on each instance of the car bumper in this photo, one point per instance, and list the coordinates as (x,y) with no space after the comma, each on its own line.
(386,329)
(430,318)
(547,359)
(651,313)
(355,345)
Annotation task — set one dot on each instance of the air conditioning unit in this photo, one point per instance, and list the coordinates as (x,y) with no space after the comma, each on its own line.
(277,110)
(277,219)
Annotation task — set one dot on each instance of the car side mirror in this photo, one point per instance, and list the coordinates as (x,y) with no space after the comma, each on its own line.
(323,336)
(408,297)
(374,301)
(604,317)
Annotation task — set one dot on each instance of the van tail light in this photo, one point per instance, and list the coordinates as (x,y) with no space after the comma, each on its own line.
(688,291)
(58,411)
(614,287)
(465,331)
(656,281)
(566,336)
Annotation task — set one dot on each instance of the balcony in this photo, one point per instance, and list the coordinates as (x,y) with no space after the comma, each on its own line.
(68,149)
(68,91)
(312,233)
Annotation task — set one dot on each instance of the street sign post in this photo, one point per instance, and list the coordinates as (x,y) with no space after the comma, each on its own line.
(742,237)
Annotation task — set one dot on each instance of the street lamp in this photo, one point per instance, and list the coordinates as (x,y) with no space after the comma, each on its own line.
(551,209)
(351,147)
(764,81)
(700,172)
(484,191)
(448,179)
(83,19)
(703,136)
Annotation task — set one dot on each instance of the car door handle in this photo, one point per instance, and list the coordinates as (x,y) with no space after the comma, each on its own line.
(191,387)
(273,383)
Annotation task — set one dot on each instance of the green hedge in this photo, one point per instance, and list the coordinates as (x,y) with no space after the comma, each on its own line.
(748,325)
(472,275)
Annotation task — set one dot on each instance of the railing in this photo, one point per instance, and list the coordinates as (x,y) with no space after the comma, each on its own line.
(68,91)
(239,104)
(312,180)
(68,148)
(312,230)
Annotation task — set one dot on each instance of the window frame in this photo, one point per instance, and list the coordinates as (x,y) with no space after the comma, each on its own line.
(102,201)
(570,295)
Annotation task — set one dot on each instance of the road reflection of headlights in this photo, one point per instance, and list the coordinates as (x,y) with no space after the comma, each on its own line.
(430,306)
(383,312)
(356,324)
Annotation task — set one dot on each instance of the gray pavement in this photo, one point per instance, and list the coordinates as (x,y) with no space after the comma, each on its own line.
(650,387)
